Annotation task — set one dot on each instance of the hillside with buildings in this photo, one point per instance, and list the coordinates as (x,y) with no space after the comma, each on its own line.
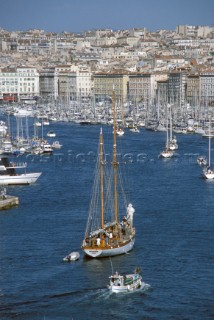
(166,65)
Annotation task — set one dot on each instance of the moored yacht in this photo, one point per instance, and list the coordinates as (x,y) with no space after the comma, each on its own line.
(9,173)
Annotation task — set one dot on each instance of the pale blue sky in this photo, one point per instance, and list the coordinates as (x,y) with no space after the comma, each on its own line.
(81,15)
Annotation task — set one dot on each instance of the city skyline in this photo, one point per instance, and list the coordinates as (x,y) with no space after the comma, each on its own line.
(78,16)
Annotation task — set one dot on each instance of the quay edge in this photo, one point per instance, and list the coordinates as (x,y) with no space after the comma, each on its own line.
(9,202)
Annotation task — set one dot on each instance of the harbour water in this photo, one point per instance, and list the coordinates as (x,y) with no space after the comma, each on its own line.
(174,244)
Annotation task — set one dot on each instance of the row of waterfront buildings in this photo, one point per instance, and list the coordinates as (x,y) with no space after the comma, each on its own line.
(165,66)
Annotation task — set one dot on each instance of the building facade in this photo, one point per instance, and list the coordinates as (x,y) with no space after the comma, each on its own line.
(104,83)
(19,83)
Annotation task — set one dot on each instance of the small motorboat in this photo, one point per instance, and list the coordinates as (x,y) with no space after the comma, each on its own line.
(46,148)
(202,161)
(126,283)
(120,132)
(73,256)
(46,122)
(56,145)
(135,129)
(51,134)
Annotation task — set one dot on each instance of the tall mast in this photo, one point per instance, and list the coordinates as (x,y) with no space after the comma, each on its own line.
(170,119)
(167,129)
(122,111)
(115,159)
(102,179)
(209,142)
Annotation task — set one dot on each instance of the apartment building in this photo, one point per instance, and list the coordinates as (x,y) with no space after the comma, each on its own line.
(177,82)
(194,43)
(104,82)
(207,87)
(84,81)
(188,31)
(193,89)
(18,83)
(67,82)
(162,92)
(48,82)
(169,62)
(140,87)
(128,40)
(194,31)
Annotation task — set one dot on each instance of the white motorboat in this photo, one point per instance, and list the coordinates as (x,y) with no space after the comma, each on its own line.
(46,148)
(46,122)
(56,145)
(190,129)
(134,129)
(73,256)
(51,134)
(23,112)
(126,283)
(120,132)
(9,173)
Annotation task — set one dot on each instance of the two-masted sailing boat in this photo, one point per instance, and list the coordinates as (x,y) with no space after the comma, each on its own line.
(105,234)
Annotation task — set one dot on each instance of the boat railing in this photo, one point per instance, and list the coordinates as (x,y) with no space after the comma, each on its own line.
(17,165)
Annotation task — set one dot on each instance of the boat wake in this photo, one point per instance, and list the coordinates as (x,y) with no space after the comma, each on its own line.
(145,287)
(80,297)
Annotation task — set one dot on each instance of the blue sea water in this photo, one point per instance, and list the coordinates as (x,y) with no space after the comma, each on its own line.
(174,247)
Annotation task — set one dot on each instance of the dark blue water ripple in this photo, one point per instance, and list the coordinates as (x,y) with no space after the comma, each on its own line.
(174,246)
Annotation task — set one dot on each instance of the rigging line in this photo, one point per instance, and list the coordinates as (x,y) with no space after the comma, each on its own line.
(122,189)
(109,192)
(92,207)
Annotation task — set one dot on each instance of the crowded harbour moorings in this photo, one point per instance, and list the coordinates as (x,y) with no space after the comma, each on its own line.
(32,132)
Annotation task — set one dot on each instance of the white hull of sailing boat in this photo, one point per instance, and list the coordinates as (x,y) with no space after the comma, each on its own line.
(208,175)
(166,154)
(19,179)
(173,147)
(105,252)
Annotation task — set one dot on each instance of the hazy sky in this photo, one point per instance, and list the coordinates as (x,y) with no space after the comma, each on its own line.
(81,15)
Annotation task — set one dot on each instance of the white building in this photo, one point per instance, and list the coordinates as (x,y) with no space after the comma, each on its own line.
(19,83)
(207,87)
(84,81)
